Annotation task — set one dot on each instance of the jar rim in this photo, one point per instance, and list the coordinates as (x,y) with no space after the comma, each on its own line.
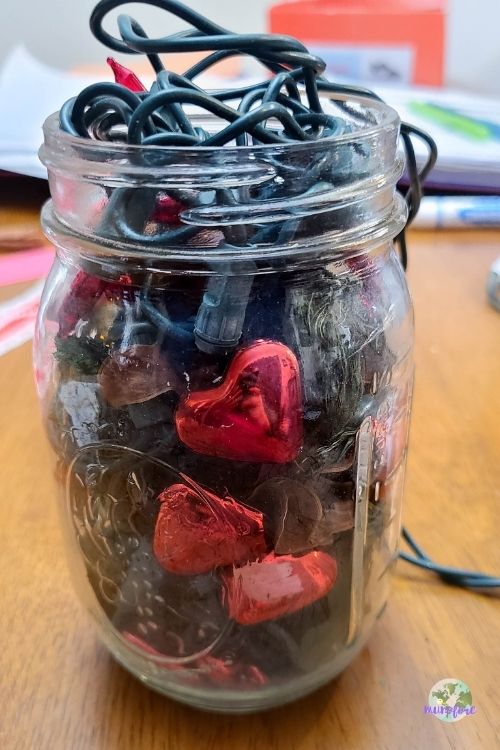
(272,183)
(387,118)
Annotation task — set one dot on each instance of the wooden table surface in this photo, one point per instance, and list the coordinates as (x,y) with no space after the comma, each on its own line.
(59,689)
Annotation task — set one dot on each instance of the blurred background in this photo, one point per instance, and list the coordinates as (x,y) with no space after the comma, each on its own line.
(55,31)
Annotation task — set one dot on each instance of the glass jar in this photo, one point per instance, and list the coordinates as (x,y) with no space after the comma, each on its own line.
(224,363)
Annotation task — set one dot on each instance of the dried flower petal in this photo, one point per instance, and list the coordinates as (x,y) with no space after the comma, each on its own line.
(291,513)
(135,375)
(254,415)
(215,670)
(196,533)
(84,293)
(338,518)
(337,501)
(277,586)
(342,465)
(167,211)
(298,518)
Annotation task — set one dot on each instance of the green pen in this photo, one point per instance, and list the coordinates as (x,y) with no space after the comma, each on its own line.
(452,120)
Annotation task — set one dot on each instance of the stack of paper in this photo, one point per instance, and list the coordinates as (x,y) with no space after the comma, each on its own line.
(466,127)
(29,92)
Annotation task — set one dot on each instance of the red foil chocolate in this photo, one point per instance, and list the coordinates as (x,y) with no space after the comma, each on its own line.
(254,415)
(277,586)
(197,532)
(84,293)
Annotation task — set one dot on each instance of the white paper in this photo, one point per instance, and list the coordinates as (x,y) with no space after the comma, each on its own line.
(30,91)
(461,160)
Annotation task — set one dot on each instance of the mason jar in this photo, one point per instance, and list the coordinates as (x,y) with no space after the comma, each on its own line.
(224,364)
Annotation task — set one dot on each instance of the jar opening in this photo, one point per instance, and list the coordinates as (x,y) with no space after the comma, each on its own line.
(229,201)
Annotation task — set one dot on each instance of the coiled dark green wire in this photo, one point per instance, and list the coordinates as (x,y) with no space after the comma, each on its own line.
(157,117)
(455,576)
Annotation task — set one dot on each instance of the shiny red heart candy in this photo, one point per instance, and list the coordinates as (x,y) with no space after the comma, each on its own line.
(254,415)
(277,585)
(197,532)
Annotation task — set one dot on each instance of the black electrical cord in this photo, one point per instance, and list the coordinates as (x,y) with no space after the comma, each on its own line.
(454,576)
(161,109)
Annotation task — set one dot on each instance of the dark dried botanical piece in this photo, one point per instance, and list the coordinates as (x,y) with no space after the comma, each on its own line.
(137,374)
(291,513)
(296,519)
(82,354)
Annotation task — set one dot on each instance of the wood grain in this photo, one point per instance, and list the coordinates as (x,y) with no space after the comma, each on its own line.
(59,690)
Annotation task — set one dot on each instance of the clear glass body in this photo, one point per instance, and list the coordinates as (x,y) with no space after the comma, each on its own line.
(224,363)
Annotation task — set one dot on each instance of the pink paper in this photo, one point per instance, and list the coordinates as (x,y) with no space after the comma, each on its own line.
(25,265)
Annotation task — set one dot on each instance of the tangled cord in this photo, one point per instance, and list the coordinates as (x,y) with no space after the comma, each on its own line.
(110,111)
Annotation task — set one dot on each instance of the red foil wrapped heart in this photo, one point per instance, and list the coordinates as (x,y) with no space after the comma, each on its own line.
(83,295)
(198,531)
(277,586)
(254,415)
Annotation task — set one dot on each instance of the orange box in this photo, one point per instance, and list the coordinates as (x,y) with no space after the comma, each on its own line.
(400,41)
